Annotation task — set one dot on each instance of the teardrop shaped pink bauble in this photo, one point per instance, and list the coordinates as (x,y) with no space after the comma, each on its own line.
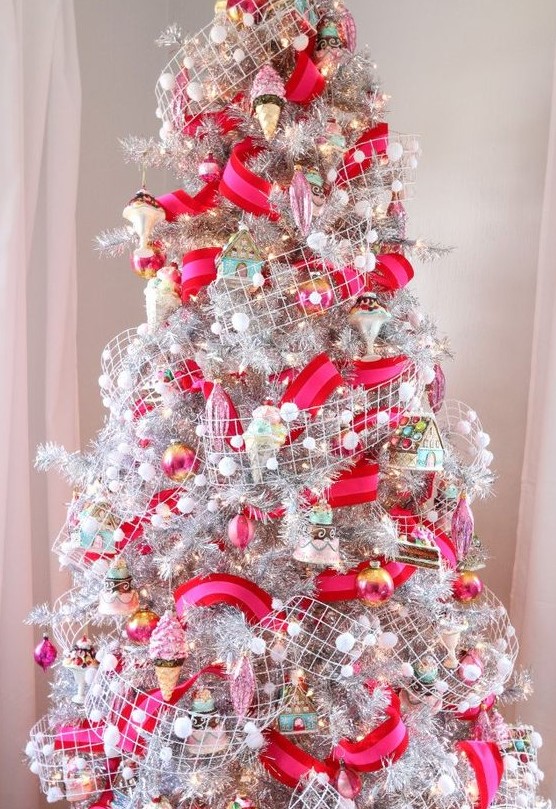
(242,687)
(348,783)
(45,653)
(436,390)
(217,417)
(349,30)
(241,531)
(462,527)
(301,202)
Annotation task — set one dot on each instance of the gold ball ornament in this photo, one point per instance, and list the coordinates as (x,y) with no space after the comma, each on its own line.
(179,462)
(374,584)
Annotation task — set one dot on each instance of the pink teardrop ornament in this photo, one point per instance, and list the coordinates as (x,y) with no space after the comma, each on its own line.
(301,202)
(348,783)
(349,30)
(45,653)
(217,417)
(462,527)
(241,531)
(242,687)
(436,390)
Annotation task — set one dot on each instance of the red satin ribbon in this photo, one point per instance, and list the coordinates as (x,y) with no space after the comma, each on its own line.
(372,373)
(306,81)
(86,736)
(198,270)
(223,588)
(178,203)
(313,384)
(243,187)
(286,762)
(392,272)
(372,142)
(486,761)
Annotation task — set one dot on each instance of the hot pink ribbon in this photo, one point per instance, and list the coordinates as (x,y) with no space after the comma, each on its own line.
(243,187)
(372,142)
(392,271)
(486,761)
(86,736)
(223,588)
(198,270)
(306,81)
(372,373)
(177,203)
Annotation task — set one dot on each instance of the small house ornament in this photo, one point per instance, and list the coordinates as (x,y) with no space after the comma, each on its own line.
(416,444)
(240,259)
(321,545)
(299,716)
(96,527)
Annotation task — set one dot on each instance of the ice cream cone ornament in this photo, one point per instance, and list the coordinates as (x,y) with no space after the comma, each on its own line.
(264,436)
(368,316)
(118,596)
(168,649)
(144,212)
(267,99)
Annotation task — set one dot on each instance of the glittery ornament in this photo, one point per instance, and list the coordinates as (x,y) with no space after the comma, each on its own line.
(315,296)
(45,653)
(436,390)
(462,526)
(217,412)
(147,266)
(467,586)
(416,444)
(374,585)
(242,686)
(241,531)
(139,626)
(301,202)
(179,462)
(348,783)
(267,99)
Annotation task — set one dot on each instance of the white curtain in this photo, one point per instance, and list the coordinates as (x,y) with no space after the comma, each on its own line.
(39,150)
(533,606)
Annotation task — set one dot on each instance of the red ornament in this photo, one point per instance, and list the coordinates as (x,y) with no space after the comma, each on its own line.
(467,587)
(140,625)
(45,653)
(147,266)
(315,296)
(209,170)
(241,531)
(348,783)
(374,585)
(179,462)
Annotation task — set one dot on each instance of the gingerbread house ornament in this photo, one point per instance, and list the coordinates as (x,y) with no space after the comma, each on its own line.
(416,444)
(240,259)
(299,716)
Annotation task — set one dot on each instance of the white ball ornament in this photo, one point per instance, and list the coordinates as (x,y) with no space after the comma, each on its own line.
(486,457)
(277,603)
(463,706)
(300,42)
(218,34)
(186,505)
(345,642)
(195,91)
(125,380)
(350,441)
(167,127)
(358,156)
(342,197)
(387,640)
(216,328)
(471,415)
(106,401)
(347,671)
(428,375)
(360,262)
(309,443)
(238,55)
(227,467)
(369,639)
(167,81)
(446,785)
(272,464)
(146,471)
(240,321)
(142,329)
(397,187)
(289,411)
(394,150)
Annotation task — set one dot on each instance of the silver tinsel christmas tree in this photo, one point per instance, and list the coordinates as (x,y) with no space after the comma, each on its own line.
(276,599)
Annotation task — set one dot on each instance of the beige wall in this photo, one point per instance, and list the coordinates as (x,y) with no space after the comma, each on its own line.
(473,79)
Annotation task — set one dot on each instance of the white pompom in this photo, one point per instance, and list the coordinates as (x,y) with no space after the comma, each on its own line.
(142,329)
(387,640)
(272,464)
(257,280)
(382,418)
(347,671)
(80,763)
(413,162)
(106,401)
(315,297)
(47,750)
(463,427)
(350,440)
(186,505)
(146,471)
(200,480)
(358,156)
(104,381)
(536,740)
(446,785)
(407,670)
(218,34)
(293,629)
(239,55)
(332,175)
(89,525)
(227,467)
(254,741)
(248,20)
(200,430)
(471,672)
(187,62)
(428,375)
(360,262)
(370,261)
(346,416)
(90,675)
(441,686)
(118,535)
(369,639)
(128,773)
(125,380)
(406,391)
(257,646)
(167,127)
(278,653)
(463,706)
(510,763)
(363,208)
(432,516)
(471,415)
(237,441)
(300,42)
(345,642)
(289,411)
(504,666)
(30,749)
(195,91)
(277,603)
(212,507)
(482,440)
(167,81)
(309,443)
(342,197)
(111,472)
(35,768)
(164,510)
(111,736)
(486,457)
(474,700)
(216,328)
(54,794)
(240,321)
(394,150)
(396,186)
(95,715)
(510,631)
(372,236)
(317,240)
(109,662)
(183,727)
(138,716)
(166,754)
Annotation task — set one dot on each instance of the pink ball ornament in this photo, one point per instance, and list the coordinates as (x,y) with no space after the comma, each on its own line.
(45,653)
(374,584)
(315,296)
(179,462)
(140,625)
(147,266)
(467,587)
(209,170)
(348,783)
(241,531)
